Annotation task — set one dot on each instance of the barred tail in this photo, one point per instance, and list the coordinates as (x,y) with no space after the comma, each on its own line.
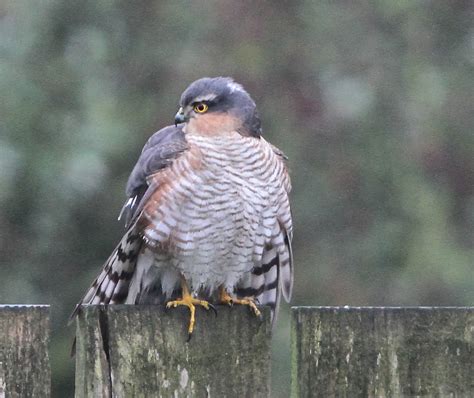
(112,284)
(274,276)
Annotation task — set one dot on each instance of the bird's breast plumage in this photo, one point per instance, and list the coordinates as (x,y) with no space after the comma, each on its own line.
(215,207)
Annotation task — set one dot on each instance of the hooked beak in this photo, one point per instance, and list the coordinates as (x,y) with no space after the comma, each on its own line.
(179,117)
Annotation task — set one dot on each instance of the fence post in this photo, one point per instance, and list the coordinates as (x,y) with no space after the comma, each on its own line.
(125,351)
(24,360)
(382,352)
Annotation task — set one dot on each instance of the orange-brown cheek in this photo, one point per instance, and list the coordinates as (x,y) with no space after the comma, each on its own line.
(213,124)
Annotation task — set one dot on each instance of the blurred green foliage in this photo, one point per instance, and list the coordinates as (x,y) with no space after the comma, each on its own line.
(371,101)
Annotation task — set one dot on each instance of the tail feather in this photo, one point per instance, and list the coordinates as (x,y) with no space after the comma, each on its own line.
(112,284)
(285,256)
(274,276)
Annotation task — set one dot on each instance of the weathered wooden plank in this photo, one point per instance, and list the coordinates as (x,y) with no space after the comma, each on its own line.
(24,360)
(92,366)
(382,352)
(141,351)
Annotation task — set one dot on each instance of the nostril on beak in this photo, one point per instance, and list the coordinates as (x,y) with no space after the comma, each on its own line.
(179,117)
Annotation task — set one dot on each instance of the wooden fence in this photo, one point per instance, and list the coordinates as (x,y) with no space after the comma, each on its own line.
(382,352)
(141,351)
(24,360)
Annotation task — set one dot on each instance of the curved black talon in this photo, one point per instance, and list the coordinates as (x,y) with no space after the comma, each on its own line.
(189,337)
(211,307)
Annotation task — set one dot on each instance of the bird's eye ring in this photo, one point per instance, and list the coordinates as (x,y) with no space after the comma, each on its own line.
(200,108)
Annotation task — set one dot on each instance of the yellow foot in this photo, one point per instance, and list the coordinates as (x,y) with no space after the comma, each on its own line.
(226,298)
(190,302)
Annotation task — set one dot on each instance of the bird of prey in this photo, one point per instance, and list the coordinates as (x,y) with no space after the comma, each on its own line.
(208,217)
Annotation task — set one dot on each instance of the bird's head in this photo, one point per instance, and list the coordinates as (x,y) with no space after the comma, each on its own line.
(216,106)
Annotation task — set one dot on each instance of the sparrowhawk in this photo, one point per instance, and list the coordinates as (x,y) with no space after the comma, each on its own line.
(208,216)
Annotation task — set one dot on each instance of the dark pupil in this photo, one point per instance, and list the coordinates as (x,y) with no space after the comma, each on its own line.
(201,107)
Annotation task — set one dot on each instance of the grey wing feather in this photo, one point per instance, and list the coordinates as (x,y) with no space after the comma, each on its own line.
(162,147)
(111,286)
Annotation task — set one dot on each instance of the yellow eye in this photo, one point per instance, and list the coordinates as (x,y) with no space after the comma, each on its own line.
(200,108)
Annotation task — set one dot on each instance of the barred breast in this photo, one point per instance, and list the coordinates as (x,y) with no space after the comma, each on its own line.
(214,210)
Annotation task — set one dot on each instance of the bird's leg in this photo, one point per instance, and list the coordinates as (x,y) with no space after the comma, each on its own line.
(226,298)
(189,301)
